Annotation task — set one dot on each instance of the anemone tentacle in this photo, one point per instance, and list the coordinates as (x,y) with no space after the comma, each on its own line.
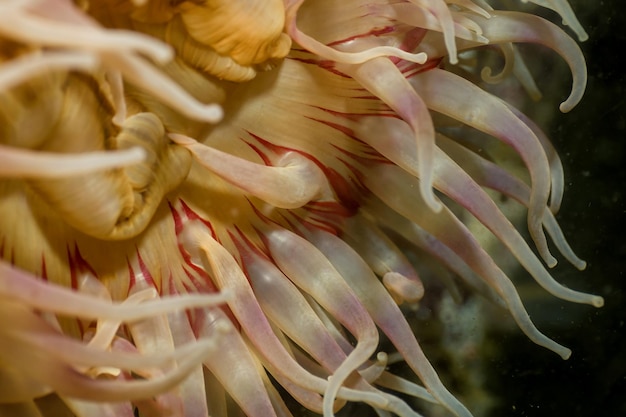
(209,206)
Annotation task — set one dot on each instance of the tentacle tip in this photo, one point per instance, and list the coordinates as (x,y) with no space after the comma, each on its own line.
(581,265)
(223,327)
(434,205)
(138,154)
(228,294)
(214,113)
(428,195)
(566,106)
(565,353)
(582,35)
(419,58)
(550,260)
(597,301)
(166,53)
(118,120)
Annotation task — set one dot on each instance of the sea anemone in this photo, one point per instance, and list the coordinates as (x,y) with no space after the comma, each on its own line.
(205,206)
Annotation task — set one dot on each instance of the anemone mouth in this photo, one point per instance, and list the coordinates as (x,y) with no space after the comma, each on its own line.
(188,210)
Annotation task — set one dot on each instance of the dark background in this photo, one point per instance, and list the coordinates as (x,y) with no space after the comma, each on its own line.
(591,140)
